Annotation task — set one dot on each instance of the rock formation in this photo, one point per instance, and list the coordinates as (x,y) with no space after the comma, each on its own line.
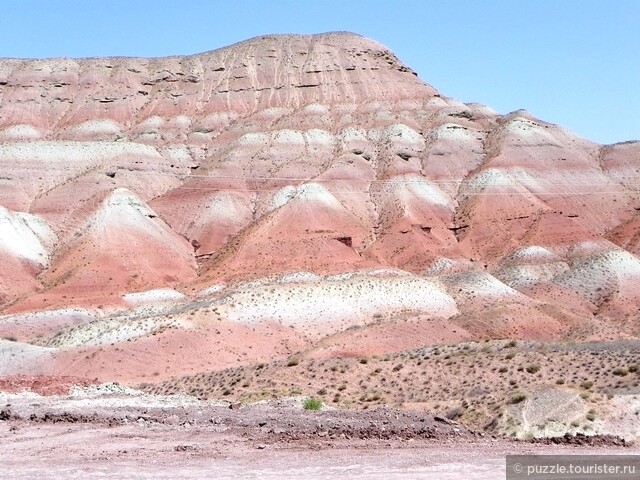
(249,201)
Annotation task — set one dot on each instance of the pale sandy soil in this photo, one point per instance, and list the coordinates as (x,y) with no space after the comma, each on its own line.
(83,451)
(129,436)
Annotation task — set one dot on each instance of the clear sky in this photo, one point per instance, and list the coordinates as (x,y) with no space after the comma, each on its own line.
(572,62)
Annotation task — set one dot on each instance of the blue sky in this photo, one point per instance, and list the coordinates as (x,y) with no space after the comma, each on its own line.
(572,62)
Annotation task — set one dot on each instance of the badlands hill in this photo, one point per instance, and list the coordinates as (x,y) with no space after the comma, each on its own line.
(163,217)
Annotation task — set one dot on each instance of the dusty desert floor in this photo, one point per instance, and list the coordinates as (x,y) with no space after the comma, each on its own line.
(120,434)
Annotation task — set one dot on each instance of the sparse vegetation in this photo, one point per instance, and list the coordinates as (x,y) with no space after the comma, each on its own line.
(476,381)
(454,413)
(517,398)
(312,403)
(533,368)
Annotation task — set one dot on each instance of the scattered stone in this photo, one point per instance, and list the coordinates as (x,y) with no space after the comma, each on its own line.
(184,448)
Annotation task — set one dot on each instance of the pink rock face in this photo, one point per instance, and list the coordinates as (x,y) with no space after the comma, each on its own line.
(294,163)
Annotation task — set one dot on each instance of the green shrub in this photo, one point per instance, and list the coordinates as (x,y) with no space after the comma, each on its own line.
(312,404)
(633,368)
(621,372)
(587,384)
(293,362)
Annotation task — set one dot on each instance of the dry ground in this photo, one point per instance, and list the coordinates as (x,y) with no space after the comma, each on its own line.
(475,383)
(114,432)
